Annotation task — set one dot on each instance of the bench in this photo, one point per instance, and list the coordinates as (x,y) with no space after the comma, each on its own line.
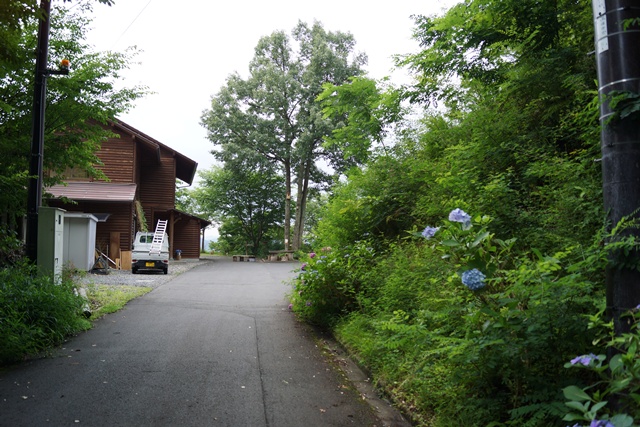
(243,258)
(281,255)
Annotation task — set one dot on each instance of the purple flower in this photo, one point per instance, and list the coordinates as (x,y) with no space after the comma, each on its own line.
(473,279)
(458,215)
(601,423)
(429,232)
(290,306)
(584,360)
(303,266)
(308,303)
(312,255)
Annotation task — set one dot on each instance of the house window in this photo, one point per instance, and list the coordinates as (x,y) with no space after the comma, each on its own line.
(75,173)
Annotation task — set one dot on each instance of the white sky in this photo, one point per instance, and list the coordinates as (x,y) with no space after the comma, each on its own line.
(190,47)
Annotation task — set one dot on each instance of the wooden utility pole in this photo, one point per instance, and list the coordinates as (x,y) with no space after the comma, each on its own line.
(617,39)
(34,198)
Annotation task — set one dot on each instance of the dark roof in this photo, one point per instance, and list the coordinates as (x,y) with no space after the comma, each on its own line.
(203,222)
(94,191)
(185,167)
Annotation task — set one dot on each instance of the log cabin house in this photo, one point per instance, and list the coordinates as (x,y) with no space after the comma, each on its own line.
(140,191)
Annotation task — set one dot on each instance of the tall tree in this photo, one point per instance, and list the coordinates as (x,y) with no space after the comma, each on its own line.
(274,111)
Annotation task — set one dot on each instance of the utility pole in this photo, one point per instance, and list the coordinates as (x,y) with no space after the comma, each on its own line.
(617,39)
(34,198)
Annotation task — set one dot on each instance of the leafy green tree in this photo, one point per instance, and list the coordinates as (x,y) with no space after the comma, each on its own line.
(244,197)
(77,105)
(519,89)
(366,111)
(274,111)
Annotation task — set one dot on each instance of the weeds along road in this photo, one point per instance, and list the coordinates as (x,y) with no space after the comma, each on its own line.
(215,346)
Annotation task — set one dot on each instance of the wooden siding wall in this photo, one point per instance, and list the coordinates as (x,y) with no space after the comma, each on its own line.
(117,154)
(121,220)
(186,237)
(157,185)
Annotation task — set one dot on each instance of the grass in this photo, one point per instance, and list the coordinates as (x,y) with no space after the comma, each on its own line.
(105,299)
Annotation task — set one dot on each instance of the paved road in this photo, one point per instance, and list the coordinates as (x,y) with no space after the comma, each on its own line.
(216,346)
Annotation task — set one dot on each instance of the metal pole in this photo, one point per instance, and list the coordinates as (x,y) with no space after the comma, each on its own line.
(618,62)
(34,198)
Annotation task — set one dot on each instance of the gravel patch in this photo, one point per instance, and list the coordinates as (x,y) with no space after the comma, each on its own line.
(150,279)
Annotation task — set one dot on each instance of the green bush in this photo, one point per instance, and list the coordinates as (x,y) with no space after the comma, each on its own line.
(453,352)
(35,312)
(328,284)
(613,397)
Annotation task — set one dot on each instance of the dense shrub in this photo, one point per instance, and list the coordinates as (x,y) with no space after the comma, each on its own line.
(459,348)
(330,283)
(36,312)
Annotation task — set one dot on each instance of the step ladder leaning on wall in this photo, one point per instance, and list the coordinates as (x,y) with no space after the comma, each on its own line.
(158,237)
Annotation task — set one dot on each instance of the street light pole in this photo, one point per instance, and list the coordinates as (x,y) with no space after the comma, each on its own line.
(618,62)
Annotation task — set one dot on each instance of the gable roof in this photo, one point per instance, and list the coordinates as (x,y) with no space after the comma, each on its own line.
(95,191)
(185,167)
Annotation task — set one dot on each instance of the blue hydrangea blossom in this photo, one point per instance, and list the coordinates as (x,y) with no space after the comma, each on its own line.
(584,360)
(429,232)
(473,279)
(458,215)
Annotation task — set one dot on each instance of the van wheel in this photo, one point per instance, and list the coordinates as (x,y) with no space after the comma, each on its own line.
(166,270)
(134,270)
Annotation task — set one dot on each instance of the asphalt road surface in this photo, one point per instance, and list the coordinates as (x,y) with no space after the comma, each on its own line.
(216,346)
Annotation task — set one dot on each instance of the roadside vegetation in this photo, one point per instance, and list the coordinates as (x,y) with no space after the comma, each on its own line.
(464,264)
(38,313)
(106,299)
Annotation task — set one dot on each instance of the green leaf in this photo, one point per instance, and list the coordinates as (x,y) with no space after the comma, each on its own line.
(480,238)
(616,363)
(574,417)
(622,420)
(599,406)
(576,405)
(575,393)
(450,243)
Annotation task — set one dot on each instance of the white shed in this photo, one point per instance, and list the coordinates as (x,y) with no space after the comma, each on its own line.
(79,240)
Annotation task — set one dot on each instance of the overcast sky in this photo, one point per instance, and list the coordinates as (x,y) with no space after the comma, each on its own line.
(190,48)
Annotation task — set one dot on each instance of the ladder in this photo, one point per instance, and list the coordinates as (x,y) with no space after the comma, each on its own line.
(158,237)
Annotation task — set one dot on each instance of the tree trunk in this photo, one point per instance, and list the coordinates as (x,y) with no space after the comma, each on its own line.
(287,204)
(301,203)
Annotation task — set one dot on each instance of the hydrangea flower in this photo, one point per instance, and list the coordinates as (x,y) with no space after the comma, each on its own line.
(473,279)
(308,303)
(584,360)
(429,232)
(601,423)
(458,215)
(312,255)
(303,266)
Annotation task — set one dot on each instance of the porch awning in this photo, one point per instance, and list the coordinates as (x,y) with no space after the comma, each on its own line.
(95,191)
